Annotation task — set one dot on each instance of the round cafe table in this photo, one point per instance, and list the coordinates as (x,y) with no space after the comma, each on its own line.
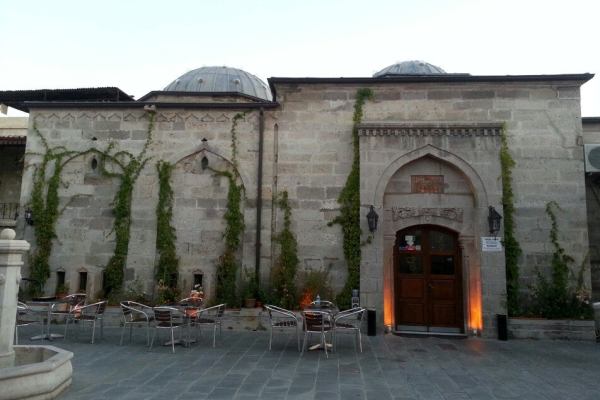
(48,302)
(330,309)
(185,315)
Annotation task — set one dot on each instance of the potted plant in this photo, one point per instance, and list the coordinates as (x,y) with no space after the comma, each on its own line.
(62,290)
(250,289)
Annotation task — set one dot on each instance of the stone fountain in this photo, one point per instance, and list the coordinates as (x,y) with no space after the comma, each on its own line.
(26,372)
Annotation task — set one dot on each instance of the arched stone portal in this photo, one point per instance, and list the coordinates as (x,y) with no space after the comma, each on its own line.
(429,187)
(429,191)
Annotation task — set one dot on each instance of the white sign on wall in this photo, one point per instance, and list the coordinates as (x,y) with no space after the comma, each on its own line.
(489,243)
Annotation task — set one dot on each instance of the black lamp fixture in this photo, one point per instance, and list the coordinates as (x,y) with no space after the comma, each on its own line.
(372,219)
(28,216)
(494,219)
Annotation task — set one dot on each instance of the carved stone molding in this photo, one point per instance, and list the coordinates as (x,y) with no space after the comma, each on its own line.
(372,129)
(451,213)
(161,116)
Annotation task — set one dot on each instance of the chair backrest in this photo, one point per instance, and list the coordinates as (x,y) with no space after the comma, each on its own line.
(126,309)
(75,300)
(353,314)
(316,321)
(101,307)
(220,310)
(92,309)
(130,308)
(164,314)
(278,311)
(191,302)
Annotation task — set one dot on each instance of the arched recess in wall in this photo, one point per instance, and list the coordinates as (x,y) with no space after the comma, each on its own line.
(473,177)
(200,201)
(458,204)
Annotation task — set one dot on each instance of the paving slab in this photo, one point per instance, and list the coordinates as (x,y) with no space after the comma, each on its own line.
(391,367)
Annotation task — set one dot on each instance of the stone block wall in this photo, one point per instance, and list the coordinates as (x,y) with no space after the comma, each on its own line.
(308,152)
(85,240)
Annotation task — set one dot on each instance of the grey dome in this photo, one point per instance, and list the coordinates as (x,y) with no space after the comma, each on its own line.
(220,79)
(414,67)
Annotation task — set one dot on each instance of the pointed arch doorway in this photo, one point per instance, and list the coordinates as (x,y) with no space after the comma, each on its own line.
(428,280)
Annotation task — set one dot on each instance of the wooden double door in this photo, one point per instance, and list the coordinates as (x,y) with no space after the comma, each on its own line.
(428,280)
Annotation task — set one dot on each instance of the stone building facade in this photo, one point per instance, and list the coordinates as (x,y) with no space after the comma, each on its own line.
(591,137)
(429,165)
(13,136)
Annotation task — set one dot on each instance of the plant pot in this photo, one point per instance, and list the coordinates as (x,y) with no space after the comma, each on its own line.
(259,303)
(250,303)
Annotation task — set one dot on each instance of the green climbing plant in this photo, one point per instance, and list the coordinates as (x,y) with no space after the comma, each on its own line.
(234,147)
(228,264)
(554,297)
(168,262)
(130,167)
(283,275)
(512,248)
(44,206)
(349,200)
(45,202)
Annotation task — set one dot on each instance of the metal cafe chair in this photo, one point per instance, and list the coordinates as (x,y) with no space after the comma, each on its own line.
(25,317)
(211,316)
(348,321)
(280,318)
(91,313)
(316,322)
(136,313)
(167,318)
(67,304)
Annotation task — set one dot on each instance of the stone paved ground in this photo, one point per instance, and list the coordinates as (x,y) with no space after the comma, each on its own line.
(391,367)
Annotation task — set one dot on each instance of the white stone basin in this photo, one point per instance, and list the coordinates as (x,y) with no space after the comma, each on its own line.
(39,372)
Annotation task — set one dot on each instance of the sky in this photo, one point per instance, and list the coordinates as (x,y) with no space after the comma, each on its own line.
(141,46)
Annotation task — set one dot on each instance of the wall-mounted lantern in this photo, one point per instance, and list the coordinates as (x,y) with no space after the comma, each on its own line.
(372,219)
(494,219)
(28,216)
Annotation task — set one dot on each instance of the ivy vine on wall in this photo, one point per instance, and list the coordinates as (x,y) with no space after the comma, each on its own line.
(349,200)
(512,249)
(227,265)
(130,167)
(554,297)
(283,275)
(44,206)
(168,262)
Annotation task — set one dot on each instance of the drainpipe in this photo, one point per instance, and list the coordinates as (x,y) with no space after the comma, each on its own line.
(261,131)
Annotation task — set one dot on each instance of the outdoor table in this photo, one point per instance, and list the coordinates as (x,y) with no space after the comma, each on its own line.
(332,311)
(186,319)
(48,302)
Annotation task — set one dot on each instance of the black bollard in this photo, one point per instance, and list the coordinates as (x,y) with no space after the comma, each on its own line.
(371,322)
(502,321)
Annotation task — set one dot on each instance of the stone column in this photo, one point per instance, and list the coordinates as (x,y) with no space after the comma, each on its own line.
(11,253)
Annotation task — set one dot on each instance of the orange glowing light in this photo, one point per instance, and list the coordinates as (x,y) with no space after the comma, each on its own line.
(475,313)
(388,304)
(306,299)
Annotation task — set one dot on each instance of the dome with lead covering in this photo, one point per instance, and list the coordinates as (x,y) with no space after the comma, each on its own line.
(414,67)
(220,80)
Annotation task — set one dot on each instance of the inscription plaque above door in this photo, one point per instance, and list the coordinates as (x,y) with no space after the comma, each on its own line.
(427,183)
